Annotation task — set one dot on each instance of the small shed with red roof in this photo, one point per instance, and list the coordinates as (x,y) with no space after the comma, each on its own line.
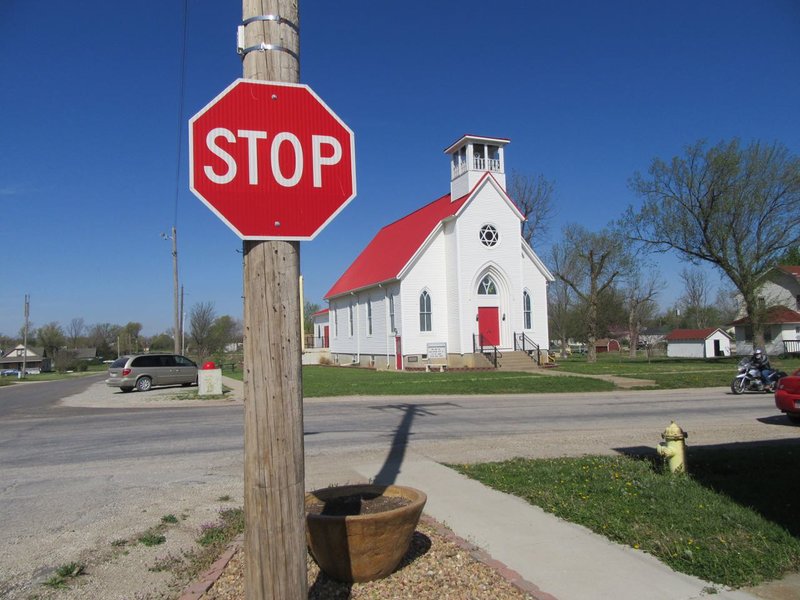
(698,343)
(451,278)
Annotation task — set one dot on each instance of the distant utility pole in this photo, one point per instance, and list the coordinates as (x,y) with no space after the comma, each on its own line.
(183,325)
(176,315)
(274,473)
(27,311)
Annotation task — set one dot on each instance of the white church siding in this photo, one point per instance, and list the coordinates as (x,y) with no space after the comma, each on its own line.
(427,274)
(500,261)
(536,285)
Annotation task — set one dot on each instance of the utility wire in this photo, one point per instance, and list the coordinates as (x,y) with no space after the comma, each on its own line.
(181,92)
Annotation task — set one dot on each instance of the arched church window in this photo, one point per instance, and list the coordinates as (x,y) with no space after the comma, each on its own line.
(425,311)
(489,236)
(487,287)
(526,309)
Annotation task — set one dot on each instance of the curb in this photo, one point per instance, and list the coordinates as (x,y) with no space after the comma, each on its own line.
(210,577)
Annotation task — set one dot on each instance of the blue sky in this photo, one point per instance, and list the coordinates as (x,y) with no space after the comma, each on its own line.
(588,93)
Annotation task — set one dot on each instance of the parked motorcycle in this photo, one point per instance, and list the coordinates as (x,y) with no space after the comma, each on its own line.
(749,379)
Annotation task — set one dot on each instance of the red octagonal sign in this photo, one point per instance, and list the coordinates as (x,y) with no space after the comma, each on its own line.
(271,160)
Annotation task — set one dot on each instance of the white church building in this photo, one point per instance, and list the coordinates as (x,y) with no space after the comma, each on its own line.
(448,284)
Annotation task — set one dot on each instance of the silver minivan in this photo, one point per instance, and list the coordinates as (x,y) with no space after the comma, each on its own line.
(143,371)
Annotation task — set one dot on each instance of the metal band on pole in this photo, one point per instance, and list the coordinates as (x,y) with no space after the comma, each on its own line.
(276,18)
(263,47)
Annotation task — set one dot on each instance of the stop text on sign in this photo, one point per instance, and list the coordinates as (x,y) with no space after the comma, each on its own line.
(325,151)
(271,160)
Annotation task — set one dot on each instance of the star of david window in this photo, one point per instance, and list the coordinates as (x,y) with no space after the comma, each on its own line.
(489,236)
(487,287)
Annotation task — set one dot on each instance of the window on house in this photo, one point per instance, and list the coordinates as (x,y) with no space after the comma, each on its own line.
(350,315)
(425,311)
(487,287)
(392,328)
(335,324)
(526,309)
(369,316)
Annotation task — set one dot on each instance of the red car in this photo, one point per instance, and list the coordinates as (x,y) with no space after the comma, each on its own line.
(787,396)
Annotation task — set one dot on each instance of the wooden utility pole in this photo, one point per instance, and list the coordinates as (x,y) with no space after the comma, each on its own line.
(176,312)
(24,371)
(274,473)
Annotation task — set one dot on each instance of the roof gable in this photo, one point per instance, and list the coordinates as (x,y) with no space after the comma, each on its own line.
(775,315)
(692,335)
(393,246)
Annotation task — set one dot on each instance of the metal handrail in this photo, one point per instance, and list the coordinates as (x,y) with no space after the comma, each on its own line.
(494,353)
(526,344)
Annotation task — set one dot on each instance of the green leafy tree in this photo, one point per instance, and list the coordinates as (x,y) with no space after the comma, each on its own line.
(51,337)
(309,308)
(224,330)
(162,342)
(736,208)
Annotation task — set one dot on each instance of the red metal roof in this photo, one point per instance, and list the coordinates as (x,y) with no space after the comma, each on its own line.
(790,269)
(320,312)
(685,335)
(393,246)
(775,315)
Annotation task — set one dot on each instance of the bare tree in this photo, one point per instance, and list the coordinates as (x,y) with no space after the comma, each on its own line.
(589,263)
(75,330)
(640,295)
(735,208)
(694,301)
(534,199)
(201,327)
(560,313)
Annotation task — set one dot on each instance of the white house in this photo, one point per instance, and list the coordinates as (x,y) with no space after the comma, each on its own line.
(698,343)
(320,322)
(780,292)
(446,281)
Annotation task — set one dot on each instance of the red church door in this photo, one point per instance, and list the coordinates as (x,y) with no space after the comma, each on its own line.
(326,340)
(489,325)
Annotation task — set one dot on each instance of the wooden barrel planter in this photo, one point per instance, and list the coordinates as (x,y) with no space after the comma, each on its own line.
(359,533)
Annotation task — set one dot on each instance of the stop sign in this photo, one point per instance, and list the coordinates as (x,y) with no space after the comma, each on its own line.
(271,160)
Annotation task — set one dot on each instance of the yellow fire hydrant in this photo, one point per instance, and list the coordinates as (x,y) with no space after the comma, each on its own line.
(674,448)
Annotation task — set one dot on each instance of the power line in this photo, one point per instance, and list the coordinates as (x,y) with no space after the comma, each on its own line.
(181,93)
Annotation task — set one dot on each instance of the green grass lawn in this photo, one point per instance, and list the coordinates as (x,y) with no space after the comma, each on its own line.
(731,521)
(348,381)
(668,373)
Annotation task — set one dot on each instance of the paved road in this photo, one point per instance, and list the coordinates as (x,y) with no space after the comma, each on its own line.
(76,478)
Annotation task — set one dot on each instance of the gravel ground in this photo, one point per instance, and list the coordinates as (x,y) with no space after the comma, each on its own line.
(438,565)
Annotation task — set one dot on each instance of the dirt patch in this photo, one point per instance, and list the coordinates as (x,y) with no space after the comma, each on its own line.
(438,565)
